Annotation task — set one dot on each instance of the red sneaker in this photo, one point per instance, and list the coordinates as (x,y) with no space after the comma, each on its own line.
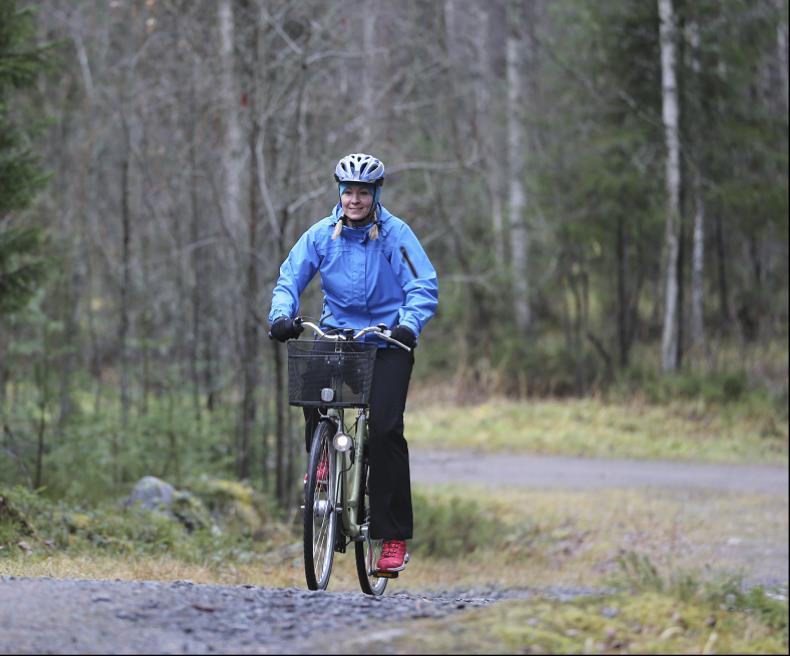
(393,556)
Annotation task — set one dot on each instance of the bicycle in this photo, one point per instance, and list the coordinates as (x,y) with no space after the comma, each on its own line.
(334,373)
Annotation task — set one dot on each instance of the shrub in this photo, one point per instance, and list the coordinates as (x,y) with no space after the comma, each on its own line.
(452,527)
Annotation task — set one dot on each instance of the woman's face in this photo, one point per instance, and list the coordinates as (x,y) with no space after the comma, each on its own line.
(356,202)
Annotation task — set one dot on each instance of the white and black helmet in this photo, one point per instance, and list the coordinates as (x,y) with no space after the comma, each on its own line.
(359,167)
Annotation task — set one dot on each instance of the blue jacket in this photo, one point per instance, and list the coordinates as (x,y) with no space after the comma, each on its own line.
(365,282)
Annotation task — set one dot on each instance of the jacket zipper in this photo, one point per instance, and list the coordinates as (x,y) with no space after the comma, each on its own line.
(408,261)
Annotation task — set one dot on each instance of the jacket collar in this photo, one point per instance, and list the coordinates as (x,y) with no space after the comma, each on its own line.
(384,217)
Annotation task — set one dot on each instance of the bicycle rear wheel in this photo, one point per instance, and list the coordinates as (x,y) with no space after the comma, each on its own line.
(367,551)
(320,518)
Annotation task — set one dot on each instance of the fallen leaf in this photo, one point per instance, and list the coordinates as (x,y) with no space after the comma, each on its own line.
(205,609)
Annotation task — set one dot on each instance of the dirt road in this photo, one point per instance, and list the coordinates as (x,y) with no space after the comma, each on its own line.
(591,473)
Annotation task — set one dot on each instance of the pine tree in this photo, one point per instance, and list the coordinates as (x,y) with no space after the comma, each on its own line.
(21,175)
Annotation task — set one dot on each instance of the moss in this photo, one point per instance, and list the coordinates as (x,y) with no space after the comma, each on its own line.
(78,522)
(190,511)
(233,504)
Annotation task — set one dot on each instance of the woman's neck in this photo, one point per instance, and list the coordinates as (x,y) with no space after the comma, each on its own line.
(358,224)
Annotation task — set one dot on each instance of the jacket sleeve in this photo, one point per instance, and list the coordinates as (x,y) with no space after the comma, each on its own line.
(418,280)
(295,273)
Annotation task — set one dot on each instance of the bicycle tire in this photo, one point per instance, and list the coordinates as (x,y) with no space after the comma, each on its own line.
(320,518)
(371,585)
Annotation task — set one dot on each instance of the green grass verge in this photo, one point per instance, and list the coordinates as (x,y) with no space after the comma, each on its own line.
(707,621)
(677,431)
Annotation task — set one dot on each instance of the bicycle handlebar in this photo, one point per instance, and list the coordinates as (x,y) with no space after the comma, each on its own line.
(380,330)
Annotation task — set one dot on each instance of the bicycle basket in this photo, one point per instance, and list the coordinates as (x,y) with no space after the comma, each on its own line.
(344,367)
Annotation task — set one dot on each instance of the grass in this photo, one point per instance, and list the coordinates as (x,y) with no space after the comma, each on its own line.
(667,555)
(680,430)
(643,623)
(523,538)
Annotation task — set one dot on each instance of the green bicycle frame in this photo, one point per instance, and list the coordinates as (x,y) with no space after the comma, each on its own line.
(348,475)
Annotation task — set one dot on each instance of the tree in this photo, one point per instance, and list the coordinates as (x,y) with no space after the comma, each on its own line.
(21,175)
(22,267)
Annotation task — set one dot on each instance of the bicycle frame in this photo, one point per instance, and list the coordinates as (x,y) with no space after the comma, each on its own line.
(345,489)
(347,476)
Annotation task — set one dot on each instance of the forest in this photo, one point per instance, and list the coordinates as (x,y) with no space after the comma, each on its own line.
(601,186)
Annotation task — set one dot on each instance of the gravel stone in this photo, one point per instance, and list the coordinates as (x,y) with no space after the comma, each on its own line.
(45,615)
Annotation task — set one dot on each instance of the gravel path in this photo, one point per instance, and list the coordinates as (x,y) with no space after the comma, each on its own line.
(120,617)
(48,616)
(505,469)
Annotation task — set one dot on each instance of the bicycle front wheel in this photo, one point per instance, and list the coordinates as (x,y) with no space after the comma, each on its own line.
(320,518)
(367,551)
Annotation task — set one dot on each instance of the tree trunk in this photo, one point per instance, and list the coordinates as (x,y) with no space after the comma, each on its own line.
(725,314)
(488,44)
(697,327)
(233,148)
(126,283)
(3,370)
(517,61)
(251,287)
(622,296)
(196,260)
(280,423)
(781,54)
(670,114)
(368,71)
(40,444)
(698,270)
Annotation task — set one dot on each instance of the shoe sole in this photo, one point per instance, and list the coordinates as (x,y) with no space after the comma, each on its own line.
(395,570)
(391,570)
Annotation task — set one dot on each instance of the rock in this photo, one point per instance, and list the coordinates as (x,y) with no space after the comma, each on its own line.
(152,493)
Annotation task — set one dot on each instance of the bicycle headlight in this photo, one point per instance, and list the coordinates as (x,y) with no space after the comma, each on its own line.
(342,442)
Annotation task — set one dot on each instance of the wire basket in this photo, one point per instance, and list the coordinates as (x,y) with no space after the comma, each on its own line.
(316,367)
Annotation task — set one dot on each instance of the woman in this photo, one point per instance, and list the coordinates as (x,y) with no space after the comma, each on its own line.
(373,270)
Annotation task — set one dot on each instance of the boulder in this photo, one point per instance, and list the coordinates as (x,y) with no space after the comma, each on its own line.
(154,494)
(151,493)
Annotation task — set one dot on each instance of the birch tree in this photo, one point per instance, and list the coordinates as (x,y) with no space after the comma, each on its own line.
(698,201)
(670,114)
(517,62)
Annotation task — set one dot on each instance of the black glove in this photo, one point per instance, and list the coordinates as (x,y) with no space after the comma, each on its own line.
(404,335)
(284,329)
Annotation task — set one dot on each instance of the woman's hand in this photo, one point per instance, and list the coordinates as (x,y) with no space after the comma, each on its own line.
(284,329)
(404,335)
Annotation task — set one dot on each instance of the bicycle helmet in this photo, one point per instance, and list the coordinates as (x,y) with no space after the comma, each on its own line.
(359,167)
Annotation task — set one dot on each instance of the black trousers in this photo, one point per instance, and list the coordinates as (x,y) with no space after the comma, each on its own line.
(388,454)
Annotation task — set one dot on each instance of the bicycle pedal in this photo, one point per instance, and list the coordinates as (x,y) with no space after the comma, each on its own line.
(383,574)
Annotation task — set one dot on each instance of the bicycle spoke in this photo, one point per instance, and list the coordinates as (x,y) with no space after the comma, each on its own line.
(320,524)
